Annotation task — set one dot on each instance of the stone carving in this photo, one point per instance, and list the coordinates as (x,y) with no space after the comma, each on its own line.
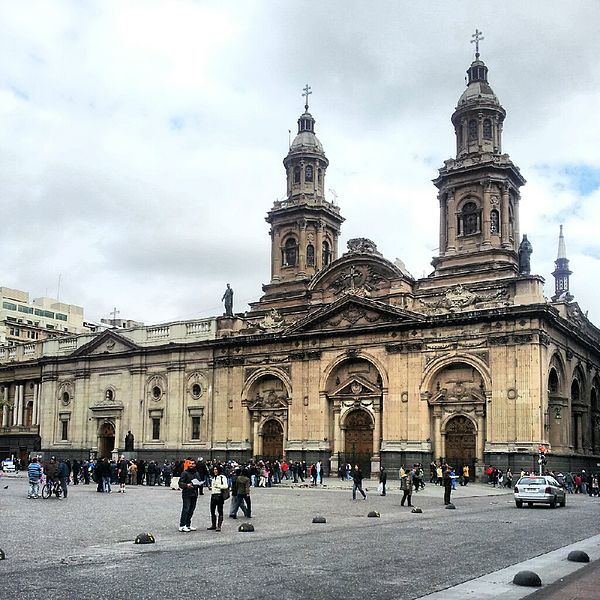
(273,320)
(362,246)
(270,401)
(460,298)
(358,281)
(352,314)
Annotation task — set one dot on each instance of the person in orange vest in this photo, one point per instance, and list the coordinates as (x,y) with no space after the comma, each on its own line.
(465,474)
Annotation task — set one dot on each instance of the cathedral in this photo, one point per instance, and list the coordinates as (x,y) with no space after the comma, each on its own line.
(346,357)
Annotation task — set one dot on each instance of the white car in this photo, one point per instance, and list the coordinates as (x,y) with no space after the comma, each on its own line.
(8,466)
(541,489)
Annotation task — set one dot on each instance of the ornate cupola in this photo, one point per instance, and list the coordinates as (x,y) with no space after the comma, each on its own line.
(305,226)
(561,272)
(479,189)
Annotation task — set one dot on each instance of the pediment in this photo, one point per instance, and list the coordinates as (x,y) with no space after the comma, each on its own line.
(355,386)
(108,342)
(353,312)
(358,274)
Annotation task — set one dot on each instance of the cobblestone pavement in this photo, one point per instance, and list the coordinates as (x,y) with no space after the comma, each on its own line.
(83,546)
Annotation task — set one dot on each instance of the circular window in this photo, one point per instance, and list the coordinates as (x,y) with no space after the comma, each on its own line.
(66,398)
(156,392)
(196,390)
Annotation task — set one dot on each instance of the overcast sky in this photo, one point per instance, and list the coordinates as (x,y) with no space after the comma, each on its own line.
(141,143)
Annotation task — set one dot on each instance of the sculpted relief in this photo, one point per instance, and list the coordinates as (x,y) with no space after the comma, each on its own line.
(460,298)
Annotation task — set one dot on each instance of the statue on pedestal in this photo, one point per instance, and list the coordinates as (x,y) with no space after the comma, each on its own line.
(228,299)
(129,442)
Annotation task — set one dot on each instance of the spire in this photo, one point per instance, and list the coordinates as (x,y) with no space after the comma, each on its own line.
(562,250)
(562,272)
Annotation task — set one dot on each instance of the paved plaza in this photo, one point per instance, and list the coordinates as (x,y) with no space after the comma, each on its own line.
(83,547)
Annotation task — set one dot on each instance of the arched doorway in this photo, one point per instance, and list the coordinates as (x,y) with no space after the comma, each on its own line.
(106,440)
(272,440)
(359,440)
(461,443)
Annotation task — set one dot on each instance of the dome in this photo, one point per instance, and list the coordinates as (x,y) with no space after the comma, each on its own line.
(478,89)
(306,141)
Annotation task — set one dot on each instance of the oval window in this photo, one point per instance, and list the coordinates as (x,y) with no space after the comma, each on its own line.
(156,392)
(196,390)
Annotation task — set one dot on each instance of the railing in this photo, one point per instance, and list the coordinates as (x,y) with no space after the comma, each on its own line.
(29,350)
(197,327)
(158,332)
(67,343)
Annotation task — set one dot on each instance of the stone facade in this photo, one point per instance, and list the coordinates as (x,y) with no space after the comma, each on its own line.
(345,357)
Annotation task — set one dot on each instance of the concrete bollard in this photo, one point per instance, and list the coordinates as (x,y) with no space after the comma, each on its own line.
(527,579)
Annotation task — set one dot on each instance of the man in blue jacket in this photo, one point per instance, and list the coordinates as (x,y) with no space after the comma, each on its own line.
(34,471)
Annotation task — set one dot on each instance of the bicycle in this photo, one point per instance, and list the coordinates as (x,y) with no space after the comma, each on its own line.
(52,488)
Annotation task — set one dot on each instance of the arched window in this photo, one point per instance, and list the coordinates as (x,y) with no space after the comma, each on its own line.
(308,173)
(326,253)
(469,219)
(487,129)
(319,176)
(310,255)
(296,174)
(290,254)
(472,129)
(494,222)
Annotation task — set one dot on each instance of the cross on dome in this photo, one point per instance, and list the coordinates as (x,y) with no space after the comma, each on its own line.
(477,37)
(306,94)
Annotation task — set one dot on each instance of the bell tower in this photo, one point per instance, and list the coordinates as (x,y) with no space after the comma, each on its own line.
(304,227)
(562,272)
(478,190)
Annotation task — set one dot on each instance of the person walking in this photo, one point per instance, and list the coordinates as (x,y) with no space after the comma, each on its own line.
(218,484)
(357,478)
(34,472)
(189,484)
(406,485)
(382,479)
(466,475)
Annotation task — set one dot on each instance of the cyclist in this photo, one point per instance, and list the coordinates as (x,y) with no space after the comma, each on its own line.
(51,471)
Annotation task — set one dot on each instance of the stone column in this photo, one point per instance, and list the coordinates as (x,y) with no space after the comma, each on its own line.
(275,253)
(36,399)
(579,441)
(18,410)
(377,431)
(443,226)
(485,214)
(516,226)
(5,407)
(504,218)
(256,449)
(336,430)
(302,247)
(319,246)
(285,435)
(480,436)
(451,220)
(437,436)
